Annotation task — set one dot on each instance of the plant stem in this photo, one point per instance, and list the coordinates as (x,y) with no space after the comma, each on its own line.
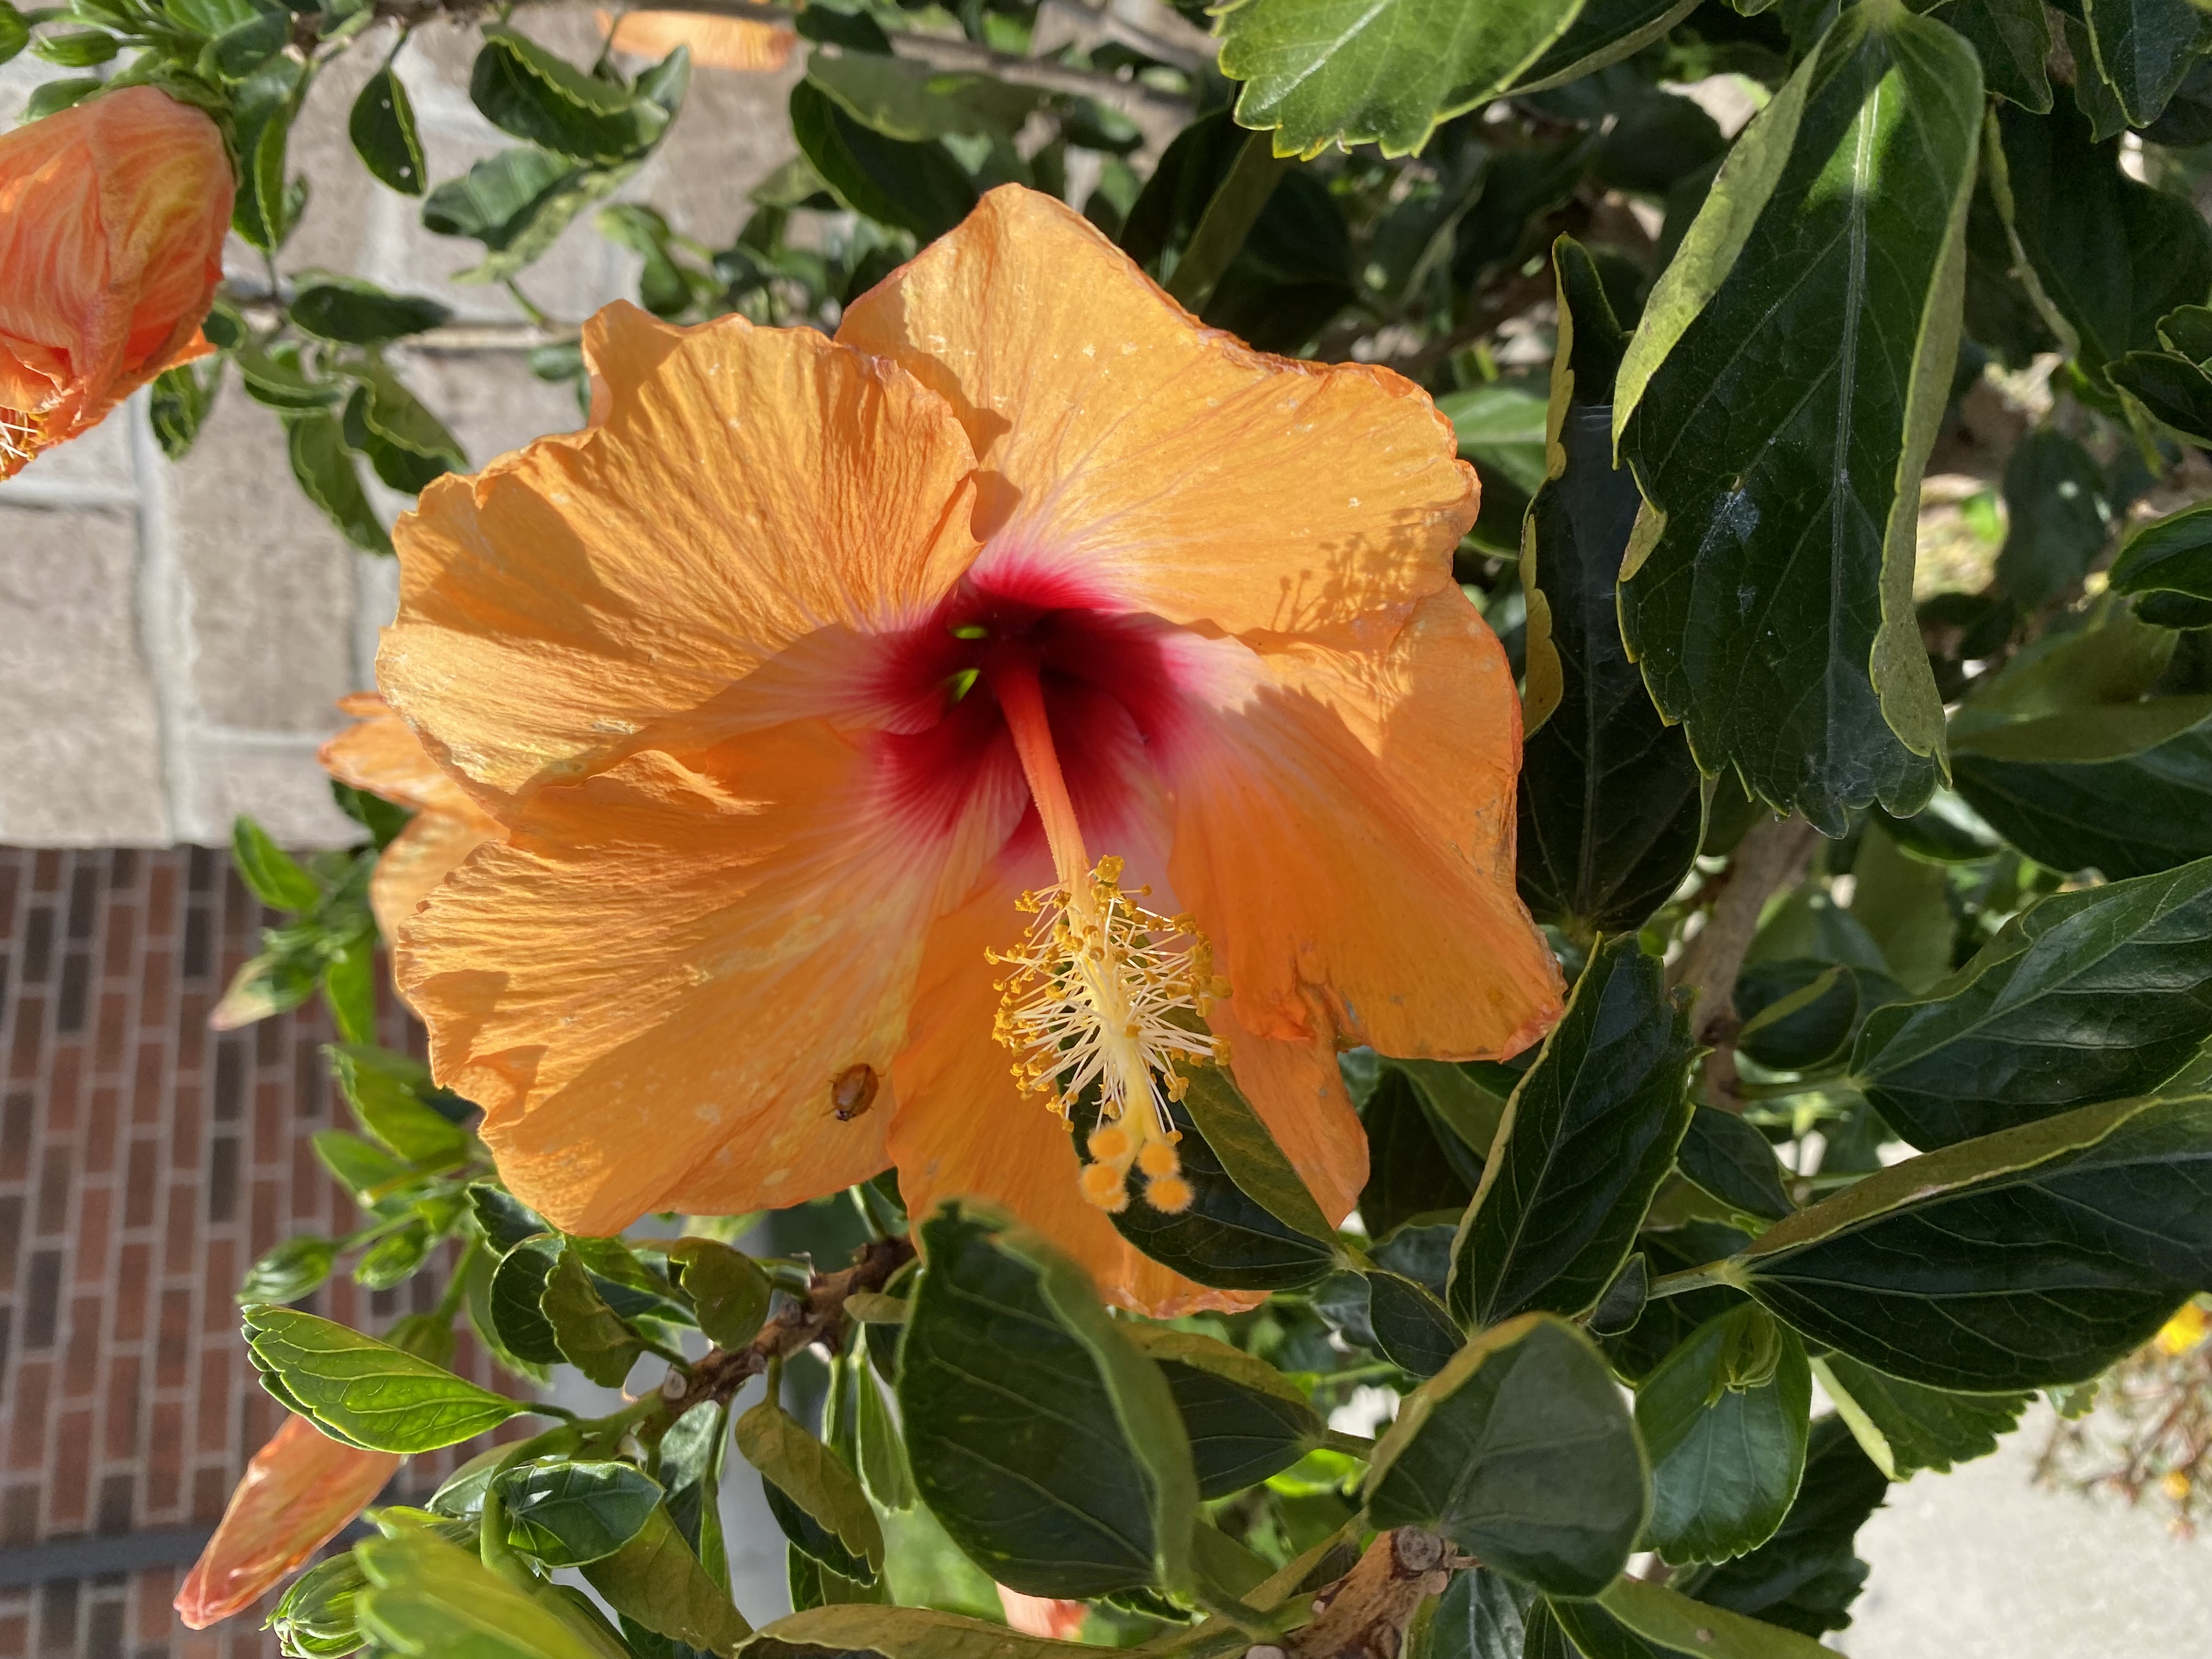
(1228,220)
(1694,1279)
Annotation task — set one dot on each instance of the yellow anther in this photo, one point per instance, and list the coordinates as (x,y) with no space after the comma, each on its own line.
(1158,1158)
(1169,1194)
(1104,1186)
(1109,1144)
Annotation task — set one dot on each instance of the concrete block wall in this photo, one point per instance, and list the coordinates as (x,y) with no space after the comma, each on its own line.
(172,637)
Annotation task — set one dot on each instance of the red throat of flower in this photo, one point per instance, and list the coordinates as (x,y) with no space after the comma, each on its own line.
(1103,993)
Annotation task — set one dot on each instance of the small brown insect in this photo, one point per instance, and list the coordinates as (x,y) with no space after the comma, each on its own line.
(852,1091)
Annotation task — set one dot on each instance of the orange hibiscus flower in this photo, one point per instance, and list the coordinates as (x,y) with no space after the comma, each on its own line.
(378,754)
(298,1493)
(792,675)
(732,43)
(112,219)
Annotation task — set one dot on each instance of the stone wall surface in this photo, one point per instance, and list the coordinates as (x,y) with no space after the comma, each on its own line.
(172,637)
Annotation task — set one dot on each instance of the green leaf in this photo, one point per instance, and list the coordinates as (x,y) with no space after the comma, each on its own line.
(815,1478)
(915,187)
(590,1334)
(325,470)
(14,34)
(526,91)
(241,49)
(178,404)
(1414,1167)
(350,988)
(264,209)
(882,1458)
(2025,1259)
(2126,789)
(1483,1614)
(1806,1577)
(390,1094)
(727,1289)
(1501,428)
(53,97)
(408,445)
(1603,32)
(898,1633)
(518,1293)
(1905,1427)
(1903,904)
(1675,1624)
(2172,554)
(76,49)
(319,1617)
(2013,39)
(517,204)
(1411,1326)
(1522,1453)
(278,378)
(2089,996)
(1612,806)
(656,1581)
(1322,72)
(2172,390)
(2110,256)
(1234,1234)
(1777,404)
(382,128)
(2057,517)
(428,1597)
(505,1220)
(2144,48)
(360,1167)
(364,1390)
(566,1514)
(1050,1449)
(1244,1419)
(1588,1137)
(1467,1098)
(355,313)
(274,877)
(290,1271)
(393,1258)
(1727,1158)
(1727,1447)
(901,98)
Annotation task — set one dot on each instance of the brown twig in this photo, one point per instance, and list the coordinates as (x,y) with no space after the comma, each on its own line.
(797,1326)
(1771,854)
(1364,1614)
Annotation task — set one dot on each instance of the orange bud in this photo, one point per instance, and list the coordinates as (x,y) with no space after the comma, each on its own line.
(1041,1615)
(298,1493)
(730,43)
(112,219)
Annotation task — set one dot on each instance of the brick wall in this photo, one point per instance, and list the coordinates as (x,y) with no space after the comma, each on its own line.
(144,1161)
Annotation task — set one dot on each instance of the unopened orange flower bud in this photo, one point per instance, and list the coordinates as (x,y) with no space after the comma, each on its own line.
(298,1493)
(112,219)
(1043,1615)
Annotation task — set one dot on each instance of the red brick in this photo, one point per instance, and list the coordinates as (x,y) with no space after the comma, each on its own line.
(157,988)
(162,885)
(141,1182)
(80,1359)
(27,1414)
(153,1595)
(211,1485)
(165,1461)
(172,1349)
(183,1221)
(64,1078)
(212,1417)
(130,1304)
(69,1495)
(111,1036)
(192,1029)
(30,1036)
(219,1285)
(268,1224)
(272,1120)
(14,1635)
(121,944)
(96,1235)
(119,1409)
(46,870)
(54,1186)
(149,1080)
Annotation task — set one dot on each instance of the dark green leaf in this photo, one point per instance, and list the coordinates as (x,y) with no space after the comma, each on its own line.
(1603,32)
(391,1096)
(1734,1162)
(361,1167)
(178,404)
(506,1219)
(2055,517)
(566,1513)
(2172,390)
(2012,38)
(882,1457)
(355,312)
(2089,996)
(350,988)
(428,1597)
(325,470)
(1724,1419)
(851,1631)
(393,1258)
(2025,1259)
(1319,72)
(1905,1427)
(382,128)
(1798,1013)
(1589,1136)
(290,1271)
(14,34)
(1521,1452)
(1664,1325)
(278,378)
(2110,256)
(525,91)
(2144,48)
(319,1617)
(656,1581)
(1806,1575)
(517,204)
(1244,1419)
(1777,404)
(364,1390)
(2172,555)
(1467,1099)
(51,97)
(901,98)
(1612,806)
(1672,1622)
(1410,1324)
(915,187)
(273,876)
(407,445)
(245,47)
(1411,1169)
(1623,1303)
(591,1336)
(819,1544)
(76,48)
(1482,1614)
(813,1476)
(726,1287)
(1233,1234)
(263,209)
(1049,1447)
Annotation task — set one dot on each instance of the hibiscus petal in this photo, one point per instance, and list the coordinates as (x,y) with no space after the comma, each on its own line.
(739,487)
(298,1492)
(431,847)
(1346,828)
(379,754)
(962,1129)
(1201,480)
(653,987)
